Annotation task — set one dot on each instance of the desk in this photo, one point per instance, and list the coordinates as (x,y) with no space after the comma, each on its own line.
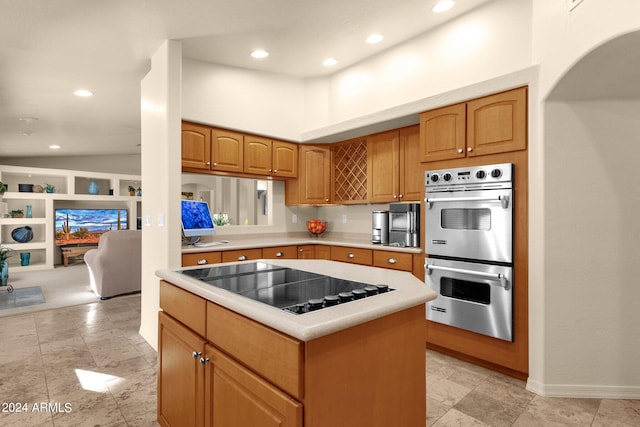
(72,251)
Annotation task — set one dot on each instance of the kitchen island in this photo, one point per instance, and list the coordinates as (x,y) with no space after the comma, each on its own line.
(229,360)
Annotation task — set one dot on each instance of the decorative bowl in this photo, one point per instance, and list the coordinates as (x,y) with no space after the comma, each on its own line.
(22,234)
(316,227)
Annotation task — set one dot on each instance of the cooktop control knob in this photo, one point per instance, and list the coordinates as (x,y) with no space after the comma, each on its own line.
(359,293)
(315,304)
(481,174)
(435,177)
(382,288)
(447,176)
(345,296)
(371,290)
(331,300)
(496,173)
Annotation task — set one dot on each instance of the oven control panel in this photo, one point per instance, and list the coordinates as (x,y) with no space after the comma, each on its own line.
(477,176)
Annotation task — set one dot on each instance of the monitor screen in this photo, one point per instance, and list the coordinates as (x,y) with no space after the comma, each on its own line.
(196,219)
(76,226)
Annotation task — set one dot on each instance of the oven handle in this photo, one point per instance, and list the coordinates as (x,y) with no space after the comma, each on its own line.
(492,276)
(504,200)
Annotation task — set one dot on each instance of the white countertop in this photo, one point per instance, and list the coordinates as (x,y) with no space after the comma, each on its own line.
(409,292)
(270,240)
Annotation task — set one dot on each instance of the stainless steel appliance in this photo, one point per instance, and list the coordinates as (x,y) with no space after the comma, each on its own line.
(469,241)
(404,224)
(295,291)
(380,227)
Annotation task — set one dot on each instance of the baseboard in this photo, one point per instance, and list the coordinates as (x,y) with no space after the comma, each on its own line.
(586,391)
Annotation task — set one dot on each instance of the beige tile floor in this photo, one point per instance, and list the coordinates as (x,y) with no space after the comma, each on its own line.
(89,366)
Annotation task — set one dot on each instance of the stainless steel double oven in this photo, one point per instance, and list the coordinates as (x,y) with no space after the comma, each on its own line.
(469,242)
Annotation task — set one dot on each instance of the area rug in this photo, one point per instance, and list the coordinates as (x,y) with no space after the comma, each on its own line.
(20,297)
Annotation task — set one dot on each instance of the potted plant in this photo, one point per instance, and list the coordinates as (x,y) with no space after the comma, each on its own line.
(3,188)
(132,190)
(16,213)
(48,188)
(5,253)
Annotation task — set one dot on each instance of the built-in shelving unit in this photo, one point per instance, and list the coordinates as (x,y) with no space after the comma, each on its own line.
(71,190)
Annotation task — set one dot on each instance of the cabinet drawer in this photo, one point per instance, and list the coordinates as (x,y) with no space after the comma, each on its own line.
(184,306)
(275,356)
(352,255)
(241,255)
(394,260)
(283,252)
(201,258)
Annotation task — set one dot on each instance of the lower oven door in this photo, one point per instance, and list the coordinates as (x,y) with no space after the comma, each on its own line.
(471,296)
(470,224)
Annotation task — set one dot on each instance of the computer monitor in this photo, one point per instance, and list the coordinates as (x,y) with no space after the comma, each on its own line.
(196,219)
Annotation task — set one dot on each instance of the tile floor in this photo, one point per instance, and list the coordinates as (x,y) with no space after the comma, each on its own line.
(89,366)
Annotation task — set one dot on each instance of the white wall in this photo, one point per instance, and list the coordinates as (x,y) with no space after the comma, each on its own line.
(127,164)
(161,109)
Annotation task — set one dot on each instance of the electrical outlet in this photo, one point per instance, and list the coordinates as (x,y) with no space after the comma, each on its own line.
(344,219)
(294,219)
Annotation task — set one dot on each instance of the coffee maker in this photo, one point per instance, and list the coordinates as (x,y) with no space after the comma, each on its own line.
(380,227)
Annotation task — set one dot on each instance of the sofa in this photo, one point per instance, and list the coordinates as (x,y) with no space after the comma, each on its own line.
(114,267)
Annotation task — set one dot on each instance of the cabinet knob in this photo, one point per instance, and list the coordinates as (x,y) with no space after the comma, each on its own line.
(204,360)
(395,196)
(469,149)
(208,163)
(459,150)
(242,258)
(401,196)
(326,200)
(279,254)
(201,261)
(391,260)
(351,255)
(195,354)
(215,163)
(275,171)
(270,170)
(300,250)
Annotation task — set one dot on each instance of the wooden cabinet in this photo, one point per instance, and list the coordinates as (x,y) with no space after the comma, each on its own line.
(314,252)
(227,151)
(201,258)
(323,252)
(395,171)
(349,177)
(263,156)
(313,185)
(489,125)
(394,260)
(282,252)
(250,400)
(352,255)
(180,374)
(196,146)
(241,255)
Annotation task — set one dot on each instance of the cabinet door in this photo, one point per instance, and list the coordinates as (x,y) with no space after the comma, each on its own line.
(497,123)
(306,252)
(227,151)
(315,174)
(196,146)
(411,175)
(442,133)
(322,252)
(384,151)
(349,179)
(180,375)
(257,155)
(236,397)
(284,159)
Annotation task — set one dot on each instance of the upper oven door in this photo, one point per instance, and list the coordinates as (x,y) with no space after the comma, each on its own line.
(470,224)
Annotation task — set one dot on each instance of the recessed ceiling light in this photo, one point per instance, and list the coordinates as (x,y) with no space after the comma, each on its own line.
(374,38)
(54,147)
(25,132)
(442,6)
(259,54)
(28,119)
(329,62)
(84,93)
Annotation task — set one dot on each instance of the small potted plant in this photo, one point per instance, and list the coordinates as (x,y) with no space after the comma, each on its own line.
(5,253)
(16,213)
(132,190)
(48,188)
(3,188)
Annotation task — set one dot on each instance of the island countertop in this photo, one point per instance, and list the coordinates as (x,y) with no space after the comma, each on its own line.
(409,292)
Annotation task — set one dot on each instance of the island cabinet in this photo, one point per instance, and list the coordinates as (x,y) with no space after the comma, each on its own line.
(239,372)
(263,156)
(489,125)
(395,171)
(313,186)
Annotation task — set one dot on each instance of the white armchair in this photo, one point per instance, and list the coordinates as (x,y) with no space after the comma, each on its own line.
(114,268)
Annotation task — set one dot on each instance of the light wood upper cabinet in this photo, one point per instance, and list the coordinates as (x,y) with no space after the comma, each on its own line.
(443,133)
(196,146)
(313,185)
(395,172)
(489,125)
(227,151)
(497,123)
(264,156)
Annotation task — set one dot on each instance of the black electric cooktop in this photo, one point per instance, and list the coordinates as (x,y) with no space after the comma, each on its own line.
(292,290)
